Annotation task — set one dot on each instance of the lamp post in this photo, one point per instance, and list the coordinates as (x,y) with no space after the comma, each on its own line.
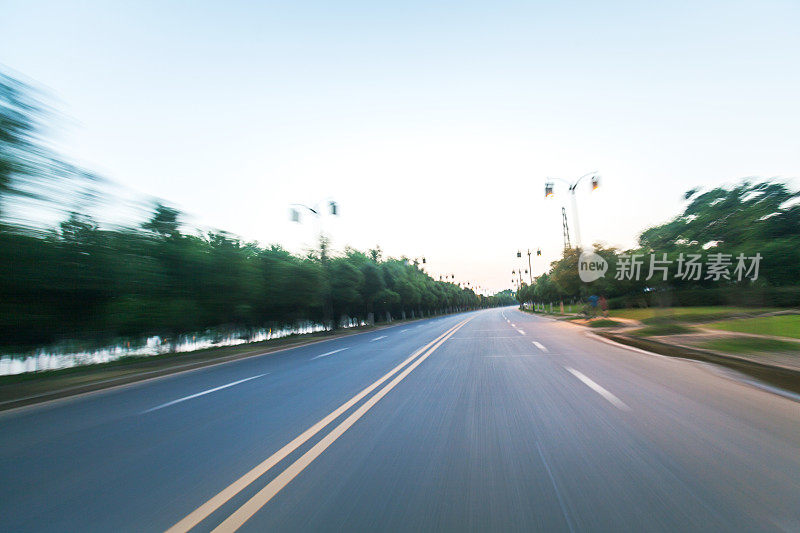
(548,191)
(333,209)
(295,211)
(530,266)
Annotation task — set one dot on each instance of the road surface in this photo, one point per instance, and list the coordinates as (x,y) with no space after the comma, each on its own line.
(491,420)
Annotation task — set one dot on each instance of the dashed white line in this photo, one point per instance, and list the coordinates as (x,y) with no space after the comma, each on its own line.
(512,324)
(328,353)
(404,330)
(616,402)
(540,346)
(521,332)
(209,391)
(378,338)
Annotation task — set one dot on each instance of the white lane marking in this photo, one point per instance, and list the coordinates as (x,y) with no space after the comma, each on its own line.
(209,391)
(329,353)
(521,332)
(555,486)
(616,402)
(625,346)
(404,330)
(540,346)
(378,338)
(512,324)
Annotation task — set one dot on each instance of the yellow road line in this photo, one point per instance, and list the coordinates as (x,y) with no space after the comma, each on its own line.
(218,500)
(246,511)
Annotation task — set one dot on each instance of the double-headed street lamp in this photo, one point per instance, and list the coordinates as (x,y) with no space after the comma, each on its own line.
(548,191)
(518,272)
(295,215)
(295,210)
(530,266)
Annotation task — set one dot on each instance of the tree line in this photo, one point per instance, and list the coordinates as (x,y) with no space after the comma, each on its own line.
(86,281)
(744,241)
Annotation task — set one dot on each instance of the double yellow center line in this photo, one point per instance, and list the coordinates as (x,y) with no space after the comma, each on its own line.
(246,511)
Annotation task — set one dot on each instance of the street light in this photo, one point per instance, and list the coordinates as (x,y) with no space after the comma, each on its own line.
(548,191)
(333,209)
(416,261)
(294,213)
(529,271)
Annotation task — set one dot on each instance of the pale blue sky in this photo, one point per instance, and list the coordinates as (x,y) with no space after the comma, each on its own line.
(434,125)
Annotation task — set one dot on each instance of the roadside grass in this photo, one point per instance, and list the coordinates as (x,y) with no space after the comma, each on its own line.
(604,323)
(750,344)
(555,314)
(666,328)
(778,325)
(656,315)
(569,309)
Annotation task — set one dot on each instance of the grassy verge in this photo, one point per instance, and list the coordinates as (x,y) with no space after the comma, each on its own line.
(667,328)
(604,323)
(779,325)
(751,344)
(653,315)
(547,313)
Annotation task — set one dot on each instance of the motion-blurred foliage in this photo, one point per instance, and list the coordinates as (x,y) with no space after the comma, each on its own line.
(748,218)
(83,280)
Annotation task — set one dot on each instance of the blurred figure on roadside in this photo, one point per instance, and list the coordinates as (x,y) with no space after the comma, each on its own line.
(603,305)
(593,305)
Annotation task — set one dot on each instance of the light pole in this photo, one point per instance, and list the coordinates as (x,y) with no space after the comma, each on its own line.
(530,266)
(548,191)
(417,260)
(294,214)
(295,211)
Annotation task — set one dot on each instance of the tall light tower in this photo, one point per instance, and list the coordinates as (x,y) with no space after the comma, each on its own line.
(548,191)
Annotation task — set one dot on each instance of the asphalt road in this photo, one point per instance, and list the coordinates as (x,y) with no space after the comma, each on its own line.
(503,421)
